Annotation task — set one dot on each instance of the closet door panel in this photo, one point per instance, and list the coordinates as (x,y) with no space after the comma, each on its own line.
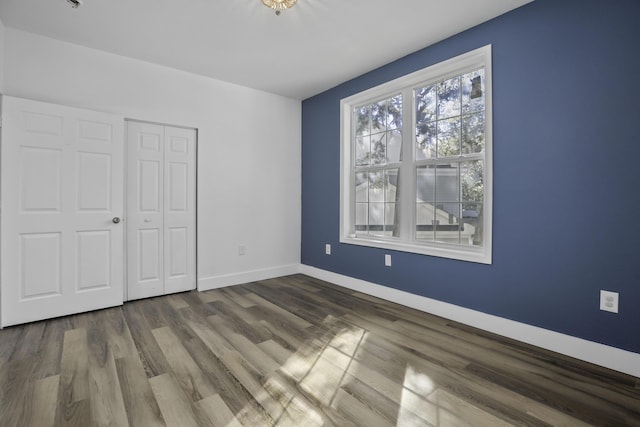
(145,200)
(180,209)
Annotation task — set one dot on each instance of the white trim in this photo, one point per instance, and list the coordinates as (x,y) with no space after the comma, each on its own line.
(406,85)
(216,282)
(589,351)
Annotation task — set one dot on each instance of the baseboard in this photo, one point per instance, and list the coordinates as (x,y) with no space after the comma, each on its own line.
(589,351)
(215,282)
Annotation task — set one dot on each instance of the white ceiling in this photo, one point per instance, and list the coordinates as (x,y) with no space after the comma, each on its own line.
(306,50)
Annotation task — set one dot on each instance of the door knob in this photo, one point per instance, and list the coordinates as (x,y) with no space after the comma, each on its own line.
(115,220)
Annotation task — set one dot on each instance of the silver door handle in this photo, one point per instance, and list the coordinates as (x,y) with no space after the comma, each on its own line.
(115,220)
(147,220)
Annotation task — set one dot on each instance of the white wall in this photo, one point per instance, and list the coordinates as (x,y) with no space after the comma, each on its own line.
(1,57)
(248,153)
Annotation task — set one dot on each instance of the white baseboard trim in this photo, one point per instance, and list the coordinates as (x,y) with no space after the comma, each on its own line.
(215,282)
(589,351)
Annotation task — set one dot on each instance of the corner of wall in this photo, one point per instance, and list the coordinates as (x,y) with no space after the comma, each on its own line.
(221,281)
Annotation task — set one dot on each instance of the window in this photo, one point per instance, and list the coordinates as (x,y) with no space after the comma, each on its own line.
(416,162)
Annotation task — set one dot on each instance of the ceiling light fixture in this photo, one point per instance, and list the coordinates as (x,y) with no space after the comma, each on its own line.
(75,3)
(279,5)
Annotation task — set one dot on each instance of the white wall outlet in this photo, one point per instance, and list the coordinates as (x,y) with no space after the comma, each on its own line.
(387,260)
(327,249)
(242,250)
(609,301)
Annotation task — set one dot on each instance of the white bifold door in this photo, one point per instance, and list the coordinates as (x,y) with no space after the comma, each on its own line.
(161,209)
(62,247)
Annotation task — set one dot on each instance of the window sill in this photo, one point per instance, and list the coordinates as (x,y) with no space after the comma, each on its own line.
(451,251)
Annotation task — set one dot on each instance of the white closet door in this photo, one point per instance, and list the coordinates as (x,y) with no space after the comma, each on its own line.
(180,209)
(160,210)
(62,196)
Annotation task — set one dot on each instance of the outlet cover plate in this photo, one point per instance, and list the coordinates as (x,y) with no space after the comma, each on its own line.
(609,301)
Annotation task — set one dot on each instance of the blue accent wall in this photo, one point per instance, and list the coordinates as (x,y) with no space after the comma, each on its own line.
(566,105)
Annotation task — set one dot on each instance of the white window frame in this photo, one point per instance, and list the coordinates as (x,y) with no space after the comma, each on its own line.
(407,85)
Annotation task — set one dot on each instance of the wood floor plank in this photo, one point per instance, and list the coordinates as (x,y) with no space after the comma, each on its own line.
(239,400)
(217,412)
(10,339)
(50,348)
(262,361)
(107,401)
(45,401)
(209,296)
(275,351)
(28,341)
(149,352)
(195,385)
(176,301)
(238,298)
(359,412)
(139,400)
(452,410)
(241,369)
(240,319)
(118,334)
(174,404)
(73,393)
(302,407)
(293,319)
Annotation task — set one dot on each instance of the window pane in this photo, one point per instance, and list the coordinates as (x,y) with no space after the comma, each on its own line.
(426,101)
(448,233)
(426,140)
(447,225)
(394,113)
(449,98)
(472,219)
(392,196)
(394,146)
(379,117)
(424,221)
(391,181)
(473,133)
(376,187)
(362,187)
(379,149)
(362,213)
(447,184)
(376,219)
(447,207)
(426,184)
(363,120)
(425,196)
(392,226)
(473,91)
(363,150)
(449,137)
(472,177)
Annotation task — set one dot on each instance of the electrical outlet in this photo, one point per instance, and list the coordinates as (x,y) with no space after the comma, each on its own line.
(387,260)
(242,250)
(609,301)
(327,249)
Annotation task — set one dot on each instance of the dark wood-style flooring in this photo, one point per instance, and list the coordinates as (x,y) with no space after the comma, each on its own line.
(293,351)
